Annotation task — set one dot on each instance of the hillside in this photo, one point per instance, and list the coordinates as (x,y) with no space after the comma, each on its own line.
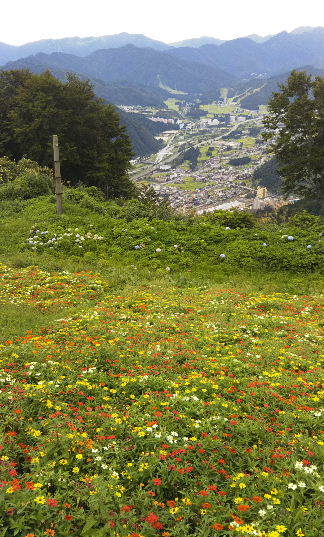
(136,66)
(260,90)
(147,384)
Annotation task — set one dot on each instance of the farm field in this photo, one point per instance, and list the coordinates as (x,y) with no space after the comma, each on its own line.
(157,409)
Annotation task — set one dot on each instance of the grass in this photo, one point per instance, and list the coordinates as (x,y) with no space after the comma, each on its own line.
(247,141)
(215,109)
(172,104)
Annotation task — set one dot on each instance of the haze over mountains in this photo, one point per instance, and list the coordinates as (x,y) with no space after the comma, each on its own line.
(129,69)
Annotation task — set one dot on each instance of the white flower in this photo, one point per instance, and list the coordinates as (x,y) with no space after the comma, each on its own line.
(290,238)
(222,256)
(309,246)
(227,227)
(137,247)
(264,244)
(301,484)
(167,269)
(262,512)
(321,488)
(158,250)
(299,465)
(292,486)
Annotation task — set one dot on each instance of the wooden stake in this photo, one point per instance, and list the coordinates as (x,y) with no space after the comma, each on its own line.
(57,176)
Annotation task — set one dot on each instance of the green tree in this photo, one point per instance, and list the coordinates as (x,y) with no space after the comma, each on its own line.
(94,147)
(295,125)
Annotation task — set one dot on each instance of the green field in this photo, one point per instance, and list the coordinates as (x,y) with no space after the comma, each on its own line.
(172,104)
(215,109)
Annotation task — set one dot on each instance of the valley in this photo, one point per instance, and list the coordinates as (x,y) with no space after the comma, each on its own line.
(208,163)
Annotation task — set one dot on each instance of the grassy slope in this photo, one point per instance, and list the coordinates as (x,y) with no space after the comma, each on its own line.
(149,403)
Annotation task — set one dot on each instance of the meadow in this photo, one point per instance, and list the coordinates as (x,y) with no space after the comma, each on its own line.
(160,376)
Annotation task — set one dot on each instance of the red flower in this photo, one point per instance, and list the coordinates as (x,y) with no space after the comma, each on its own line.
(203,493)
(152,518)
(218,526)
(157,481)
(127,508)
(52,502)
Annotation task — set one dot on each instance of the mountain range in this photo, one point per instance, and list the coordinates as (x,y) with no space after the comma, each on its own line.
(131,69)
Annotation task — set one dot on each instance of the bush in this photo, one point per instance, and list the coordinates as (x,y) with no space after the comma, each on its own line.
(232,219)
(23,180)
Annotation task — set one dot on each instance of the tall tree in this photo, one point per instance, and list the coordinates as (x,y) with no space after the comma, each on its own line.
(95,149)
(295,125)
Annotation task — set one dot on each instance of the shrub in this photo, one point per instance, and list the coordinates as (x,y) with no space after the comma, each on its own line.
(23,180)
(232,219)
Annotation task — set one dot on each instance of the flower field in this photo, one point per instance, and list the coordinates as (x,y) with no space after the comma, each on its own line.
(159,411)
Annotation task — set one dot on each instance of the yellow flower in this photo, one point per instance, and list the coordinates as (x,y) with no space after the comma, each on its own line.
(75,470)
(281,529)
(10,490)
(40,499)
(79,456)
(300,533)
(63,461)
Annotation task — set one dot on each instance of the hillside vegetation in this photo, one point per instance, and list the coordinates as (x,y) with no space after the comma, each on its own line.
(157,380)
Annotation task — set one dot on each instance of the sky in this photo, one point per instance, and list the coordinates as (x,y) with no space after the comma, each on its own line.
(23,21)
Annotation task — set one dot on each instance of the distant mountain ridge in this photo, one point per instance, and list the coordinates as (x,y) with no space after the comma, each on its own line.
(83,46)
(198,42)
(79,46)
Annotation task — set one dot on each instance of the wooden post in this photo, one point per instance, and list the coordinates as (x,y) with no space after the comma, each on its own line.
(57,175)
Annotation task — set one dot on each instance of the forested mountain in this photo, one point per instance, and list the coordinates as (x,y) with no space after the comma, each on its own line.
(135,66)
(262,89)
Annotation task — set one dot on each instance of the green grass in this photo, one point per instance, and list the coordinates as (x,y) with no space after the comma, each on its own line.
(215,109)
(247,141)
(172,104)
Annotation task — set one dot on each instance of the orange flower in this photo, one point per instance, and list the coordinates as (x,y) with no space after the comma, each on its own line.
(218,526)
(50,532)
(243,507)
(257,499)
(206,505)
